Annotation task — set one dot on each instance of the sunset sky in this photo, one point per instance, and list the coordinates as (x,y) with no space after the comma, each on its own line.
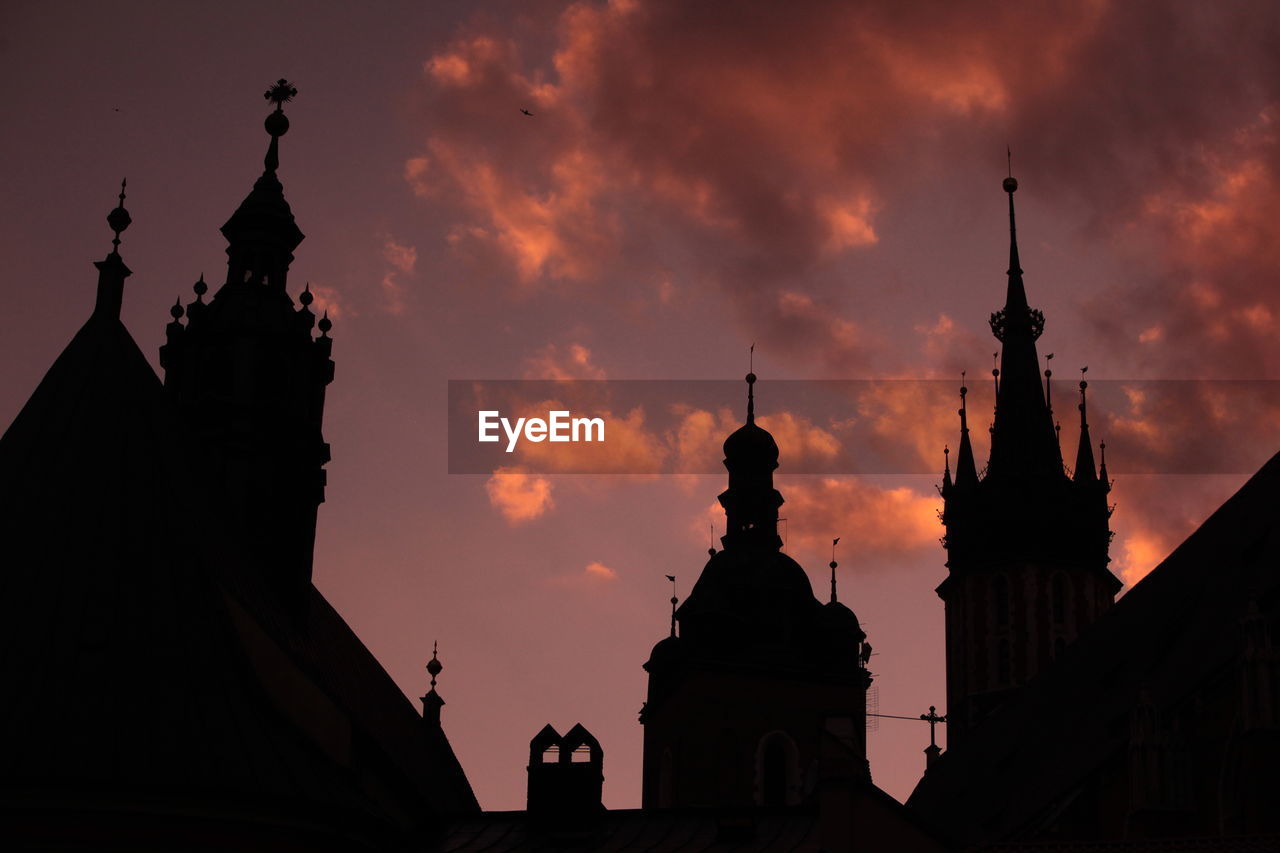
(819,178)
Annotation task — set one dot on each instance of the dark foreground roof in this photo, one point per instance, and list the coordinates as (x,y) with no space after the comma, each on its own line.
(845,815)
(1221,844)
(636,830)
(150,680)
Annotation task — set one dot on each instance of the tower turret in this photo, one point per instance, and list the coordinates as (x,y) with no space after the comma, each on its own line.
(1026,544)
(751,502)
(249,378)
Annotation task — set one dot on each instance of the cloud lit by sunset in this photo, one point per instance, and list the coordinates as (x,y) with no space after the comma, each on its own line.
(621,190)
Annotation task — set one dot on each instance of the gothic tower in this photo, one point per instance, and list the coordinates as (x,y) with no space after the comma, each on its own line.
(1027,541)
(763,684)
(248,378)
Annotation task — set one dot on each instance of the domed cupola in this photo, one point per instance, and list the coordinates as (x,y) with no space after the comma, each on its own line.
(844,635)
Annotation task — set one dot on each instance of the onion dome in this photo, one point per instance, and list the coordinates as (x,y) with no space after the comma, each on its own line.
(751,441)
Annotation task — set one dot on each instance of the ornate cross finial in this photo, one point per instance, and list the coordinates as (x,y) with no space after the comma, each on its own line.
(280,93)
(277,123)
(933,718)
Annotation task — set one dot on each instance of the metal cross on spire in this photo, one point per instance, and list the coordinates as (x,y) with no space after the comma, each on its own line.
(933,718)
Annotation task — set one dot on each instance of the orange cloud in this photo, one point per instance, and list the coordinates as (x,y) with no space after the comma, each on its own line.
(403,259)
(570,362)
(327,299)
(599,571)
(518,495)
(878,526)
(594,576)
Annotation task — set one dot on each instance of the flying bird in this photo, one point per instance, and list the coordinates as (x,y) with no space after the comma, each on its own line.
(526,112)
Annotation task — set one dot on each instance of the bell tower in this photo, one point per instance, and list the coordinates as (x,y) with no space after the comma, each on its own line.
(247,375)
(762,680)
(1026,542)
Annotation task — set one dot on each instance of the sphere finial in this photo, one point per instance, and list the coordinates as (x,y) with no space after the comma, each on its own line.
(119,219)
(434,667)
(1010,184)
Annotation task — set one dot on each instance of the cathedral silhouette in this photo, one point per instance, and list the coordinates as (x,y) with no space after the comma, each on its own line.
(174,680)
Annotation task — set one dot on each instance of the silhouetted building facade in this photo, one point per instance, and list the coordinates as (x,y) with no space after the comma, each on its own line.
(1026,540)
(1157,728)
(172,678)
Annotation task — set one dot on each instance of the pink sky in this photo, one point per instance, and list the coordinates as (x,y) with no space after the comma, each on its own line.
(820,178)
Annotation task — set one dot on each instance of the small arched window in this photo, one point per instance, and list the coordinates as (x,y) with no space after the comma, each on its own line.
(777,771)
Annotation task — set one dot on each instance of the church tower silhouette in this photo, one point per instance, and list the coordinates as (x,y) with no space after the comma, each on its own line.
(763,690)
(249,380)
(1026,542)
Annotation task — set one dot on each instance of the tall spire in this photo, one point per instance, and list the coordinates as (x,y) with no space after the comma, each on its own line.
(1017,294)
(112,270)
(1023,441)
(1084,455)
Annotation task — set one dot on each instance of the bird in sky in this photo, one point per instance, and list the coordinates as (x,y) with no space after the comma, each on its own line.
(526,112)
